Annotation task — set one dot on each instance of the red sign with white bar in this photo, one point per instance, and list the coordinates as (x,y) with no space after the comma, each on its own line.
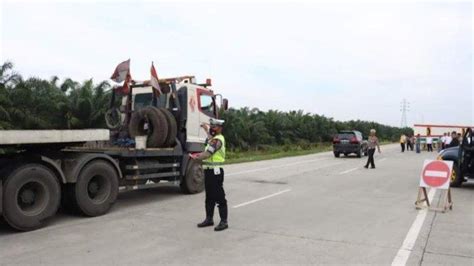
(436,174)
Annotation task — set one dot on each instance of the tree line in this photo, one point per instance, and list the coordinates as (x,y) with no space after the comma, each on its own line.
(35,103)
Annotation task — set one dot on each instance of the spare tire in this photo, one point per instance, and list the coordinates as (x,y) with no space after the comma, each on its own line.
(157,130)
(172,128)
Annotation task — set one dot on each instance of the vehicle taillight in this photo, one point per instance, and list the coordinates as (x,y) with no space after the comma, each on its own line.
(336,140)
(354,140)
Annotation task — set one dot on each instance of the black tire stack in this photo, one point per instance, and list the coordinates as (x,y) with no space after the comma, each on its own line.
(161,126)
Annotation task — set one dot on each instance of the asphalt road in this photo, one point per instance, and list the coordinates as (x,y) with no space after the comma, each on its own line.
(313,209)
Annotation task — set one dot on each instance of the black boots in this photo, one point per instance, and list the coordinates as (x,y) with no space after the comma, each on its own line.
(221,226)
(209,214)
(207,222)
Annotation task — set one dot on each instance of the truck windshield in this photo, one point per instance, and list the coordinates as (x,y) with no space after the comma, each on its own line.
(207,105)
(145,99)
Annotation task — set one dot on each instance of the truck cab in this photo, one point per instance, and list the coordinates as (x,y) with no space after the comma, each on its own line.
(192,104)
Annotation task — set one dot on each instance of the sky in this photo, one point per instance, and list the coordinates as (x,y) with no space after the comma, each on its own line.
(346,60)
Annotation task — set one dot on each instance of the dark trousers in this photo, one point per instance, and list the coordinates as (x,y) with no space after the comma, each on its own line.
(215,194)
(403,146)
(370,160)
(430,147)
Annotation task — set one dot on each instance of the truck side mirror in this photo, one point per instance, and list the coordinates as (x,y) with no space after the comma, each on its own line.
(225,104)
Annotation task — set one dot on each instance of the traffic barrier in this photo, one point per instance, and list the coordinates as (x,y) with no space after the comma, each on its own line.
(435,175)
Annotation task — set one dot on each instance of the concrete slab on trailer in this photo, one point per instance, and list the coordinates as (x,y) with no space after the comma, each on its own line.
(17,137)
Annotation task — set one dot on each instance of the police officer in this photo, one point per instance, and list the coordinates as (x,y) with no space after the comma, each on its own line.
(213,159)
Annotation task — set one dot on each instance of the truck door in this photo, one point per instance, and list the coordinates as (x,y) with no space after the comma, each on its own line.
(207,109)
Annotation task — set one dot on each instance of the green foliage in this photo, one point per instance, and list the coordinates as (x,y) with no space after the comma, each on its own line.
(251,129)
(40,104)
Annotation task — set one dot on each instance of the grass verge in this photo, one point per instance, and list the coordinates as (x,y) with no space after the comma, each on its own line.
(273,152)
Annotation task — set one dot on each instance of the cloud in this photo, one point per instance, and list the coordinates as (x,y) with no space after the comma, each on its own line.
(349,61)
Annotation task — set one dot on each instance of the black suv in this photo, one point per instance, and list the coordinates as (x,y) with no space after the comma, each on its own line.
(347,142)
(462,157)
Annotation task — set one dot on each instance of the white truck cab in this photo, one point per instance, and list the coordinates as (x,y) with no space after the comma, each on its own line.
(198,104)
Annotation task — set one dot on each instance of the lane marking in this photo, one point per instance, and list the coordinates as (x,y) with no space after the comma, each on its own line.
(407,247)
(262,198)
(268,168)
(348,171)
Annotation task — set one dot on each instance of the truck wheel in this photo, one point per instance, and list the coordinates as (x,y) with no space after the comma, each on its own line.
(336,154)
(456,177)
(157,126)
(193,181)
(96,189)
(31,195)
(172,128)
(359,153)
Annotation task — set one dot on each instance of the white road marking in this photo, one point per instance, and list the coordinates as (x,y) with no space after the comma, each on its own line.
(348,171)
(268,168)
(442,174)
(407,247)
(262,198)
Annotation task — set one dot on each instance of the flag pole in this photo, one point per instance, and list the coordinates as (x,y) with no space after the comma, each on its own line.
(154,100)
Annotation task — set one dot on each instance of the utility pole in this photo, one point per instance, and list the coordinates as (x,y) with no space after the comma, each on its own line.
(404,108)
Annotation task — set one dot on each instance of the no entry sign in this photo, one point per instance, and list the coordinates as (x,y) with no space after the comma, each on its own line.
(436,174)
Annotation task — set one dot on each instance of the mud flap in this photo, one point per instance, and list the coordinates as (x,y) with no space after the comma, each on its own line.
(1,197)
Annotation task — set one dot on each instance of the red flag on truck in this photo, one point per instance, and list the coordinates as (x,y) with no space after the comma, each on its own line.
(125,88)
(121,71)
(155,84)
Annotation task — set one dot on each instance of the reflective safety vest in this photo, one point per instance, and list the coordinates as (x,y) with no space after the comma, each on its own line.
(218,158)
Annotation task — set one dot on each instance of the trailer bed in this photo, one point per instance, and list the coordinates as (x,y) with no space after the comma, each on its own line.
(26,137)
(128,151)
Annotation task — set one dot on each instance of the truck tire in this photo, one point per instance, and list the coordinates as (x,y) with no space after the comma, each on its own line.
(96,188)
(172,128)
(359,153)
(456,177)
(32,194)
(336,154)
(158,126)
(193,181)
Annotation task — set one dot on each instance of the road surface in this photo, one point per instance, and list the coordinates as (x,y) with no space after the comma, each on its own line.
(313,209)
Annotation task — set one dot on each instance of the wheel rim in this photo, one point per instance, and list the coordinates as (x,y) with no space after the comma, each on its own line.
(98,189)
(32,198)
(453,176)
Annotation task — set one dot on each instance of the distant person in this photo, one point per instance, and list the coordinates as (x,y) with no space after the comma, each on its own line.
(448,139)
(418,143)
(439,145)
(429,143)
(403,140)
(459,138)
(408,140)
(372,143)
(443,140)
(454,141)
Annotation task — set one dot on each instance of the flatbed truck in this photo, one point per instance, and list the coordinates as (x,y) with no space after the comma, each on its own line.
(85,169)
